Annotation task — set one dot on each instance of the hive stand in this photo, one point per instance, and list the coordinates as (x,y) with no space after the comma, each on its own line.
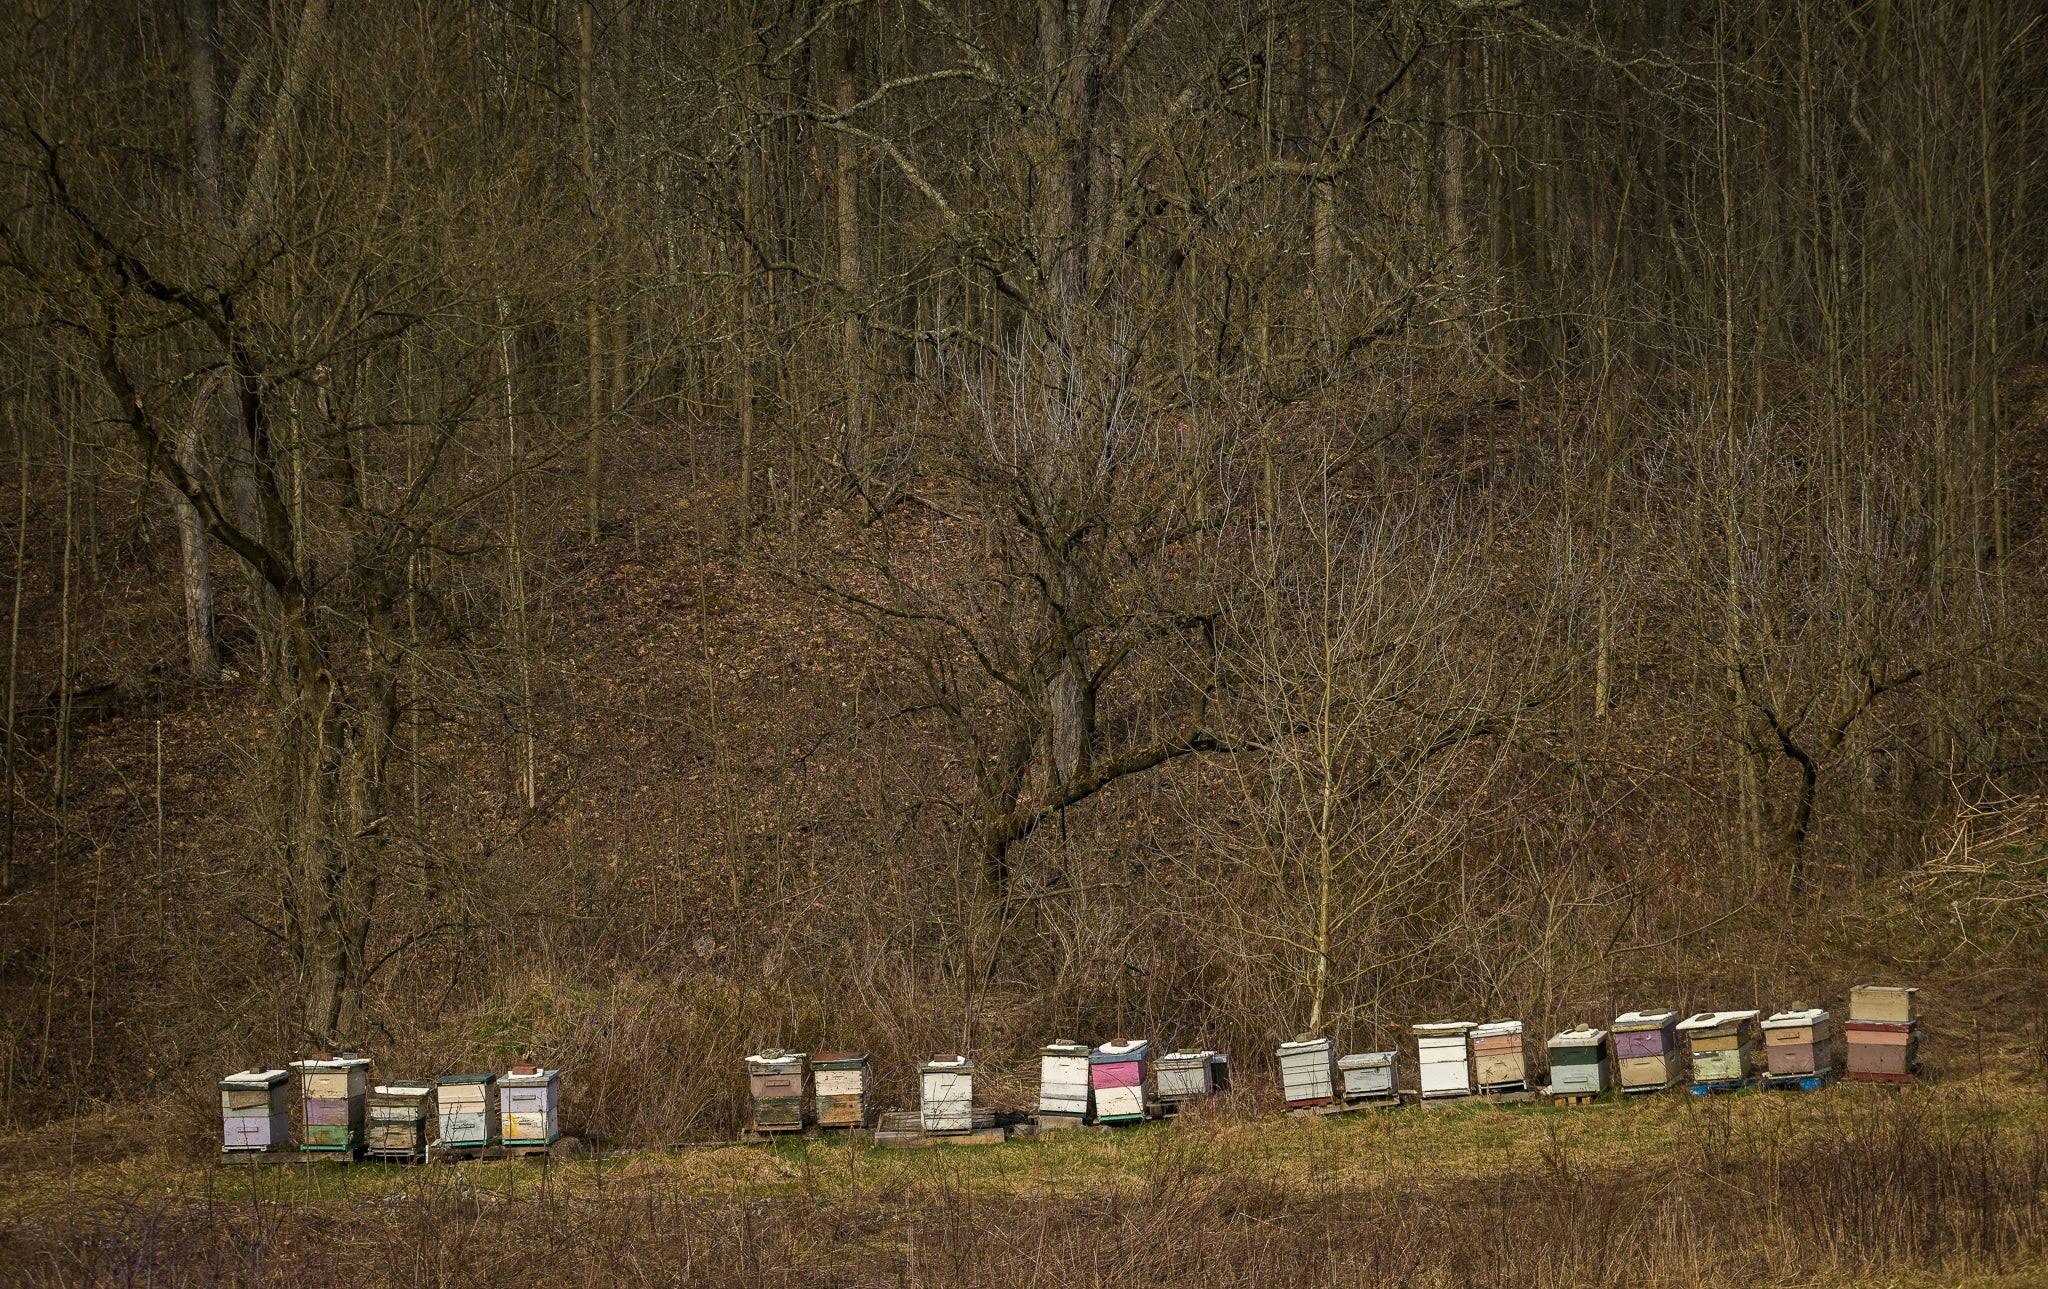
(1524,1097)
(1799,1082)
(1572,1098)
(290,1155)
(1719,1086)
(904,1130)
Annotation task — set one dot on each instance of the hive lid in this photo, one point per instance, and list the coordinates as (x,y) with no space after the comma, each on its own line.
(320,1062)
(455,1079)
(947,1063)
(1715,1020)
(1579,1036)
(839,1060)
(246,1080)
(1305,1045)
(1365,1060)
(1122,1049)
(527,1076)
(1796,1019)
(402,1090)
(1064,1047)
(1629,1021)
(1435,1028)
(775,1061)
(1203,1057)
(1496,1029)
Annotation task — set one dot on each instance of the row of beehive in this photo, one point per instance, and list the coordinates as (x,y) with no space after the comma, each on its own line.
(340,1112)
(1114,1083)
(1462,1058)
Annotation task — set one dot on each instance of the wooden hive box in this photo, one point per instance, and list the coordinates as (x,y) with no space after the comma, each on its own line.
(1892,1004)
(1443,1057)
(946,1094)
(1116,1071)
(1578,1062)
(332,1090)
(839,1081)
(255,1110)
(400,1119)
(775,1080)
(1500,1062)
(1723,1045)
(1065,1094)
(1798,1041)
(1646,1049)
(1368,1076)
(1882,1051)
(1308,1071)
(1186,1076)
(468,1109)
(529,1104)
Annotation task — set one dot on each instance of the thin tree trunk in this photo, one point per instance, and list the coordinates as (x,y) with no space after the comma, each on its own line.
(846,184)
(14,655)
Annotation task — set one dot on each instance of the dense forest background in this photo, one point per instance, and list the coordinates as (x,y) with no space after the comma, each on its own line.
(624,532)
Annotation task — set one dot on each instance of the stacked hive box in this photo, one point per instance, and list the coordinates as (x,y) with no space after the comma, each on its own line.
(1500,1063)
(1443,1057)
(946,1094)
(1883,1033)
(1368,1076)
(1117,1073)
(840,1083)
(468,1105)
(1065,1095)
(1578,1062)
(776,1080)
(530,1098)
(1308,1072)
(399,1115)
(1797,1043)
(1646,1050)
(255,1110)
(332,1091)
(1189,1076)
(1723,1046)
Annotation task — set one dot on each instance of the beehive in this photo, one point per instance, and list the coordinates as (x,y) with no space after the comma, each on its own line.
(255,1110)
(332,1090)
(1723,1045)
(1308,1071)
(1368,1076)
(1798,1041)
(1443,1057)
(1187,1076)
(1117,1073)
(468,1109)
(1882,1034)
(529,1102)
(775,1079)
(1578,1062)
(946,1094)
(1646,1051)
(1064,1092)
(839,1081)
(400,1115)
(1500,1063)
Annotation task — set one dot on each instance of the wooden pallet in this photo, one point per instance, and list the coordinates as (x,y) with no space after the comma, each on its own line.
(1523,1097)
(395,1156)
(1799,1082)
(1571,1098)
(441,1153)
(904,1130)
(530,1149)
(1346,1107)
(1646,1089)
(1871,1076)
(1720,1086)
(289,1155)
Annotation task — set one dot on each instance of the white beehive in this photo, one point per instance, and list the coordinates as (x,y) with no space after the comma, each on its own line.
(1185,1076)
(1064,1091)
(1368,1076)
(1308,1071)
(946,1088)
(468,1109)
(1443,1057)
